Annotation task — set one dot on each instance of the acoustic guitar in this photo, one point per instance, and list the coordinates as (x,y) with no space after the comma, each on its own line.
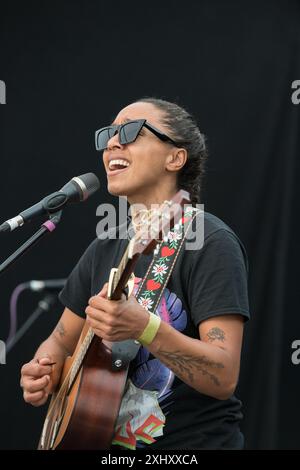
(84,409)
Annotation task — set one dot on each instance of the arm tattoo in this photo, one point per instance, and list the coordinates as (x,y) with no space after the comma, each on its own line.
(216,333)
(188,366)
(61,329)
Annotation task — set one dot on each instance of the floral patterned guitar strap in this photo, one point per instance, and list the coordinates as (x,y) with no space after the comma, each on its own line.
(154,282)
(158,274)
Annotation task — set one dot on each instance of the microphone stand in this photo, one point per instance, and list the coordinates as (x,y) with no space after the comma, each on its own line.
(48,226)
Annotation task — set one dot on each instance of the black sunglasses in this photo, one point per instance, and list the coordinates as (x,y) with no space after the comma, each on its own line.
(128,133)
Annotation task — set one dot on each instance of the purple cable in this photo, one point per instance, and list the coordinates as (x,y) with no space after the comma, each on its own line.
(13,309)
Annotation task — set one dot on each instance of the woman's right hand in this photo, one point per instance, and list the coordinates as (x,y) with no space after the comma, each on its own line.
(39,378)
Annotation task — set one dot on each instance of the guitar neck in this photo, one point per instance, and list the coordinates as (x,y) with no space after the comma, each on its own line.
(119,277)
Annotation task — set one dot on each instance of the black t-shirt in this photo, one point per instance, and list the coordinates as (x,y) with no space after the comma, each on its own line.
(206,282)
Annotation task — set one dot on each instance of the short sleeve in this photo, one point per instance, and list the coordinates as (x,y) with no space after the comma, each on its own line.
(219,275)
(77,290)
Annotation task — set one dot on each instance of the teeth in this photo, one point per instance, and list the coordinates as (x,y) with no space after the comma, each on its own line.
(112,163)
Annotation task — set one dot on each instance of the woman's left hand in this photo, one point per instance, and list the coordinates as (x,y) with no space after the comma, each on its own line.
(116,320)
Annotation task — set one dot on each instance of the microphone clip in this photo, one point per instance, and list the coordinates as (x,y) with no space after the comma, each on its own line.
(55,202)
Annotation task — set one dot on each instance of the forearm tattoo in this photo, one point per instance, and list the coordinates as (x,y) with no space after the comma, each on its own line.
(190,366)
(61,329)
(216,333)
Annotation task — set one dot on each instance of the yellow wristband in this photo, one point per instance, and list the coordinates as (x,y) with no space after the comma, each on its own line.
(150,331)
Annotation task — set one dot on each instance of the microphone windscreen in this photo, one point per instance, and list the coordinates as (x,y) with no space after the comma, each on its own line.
(91,182)
(81,187)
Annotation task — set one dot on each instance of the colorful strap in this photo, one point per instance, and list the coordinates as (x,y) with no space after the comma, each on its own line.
(161,267)
(152,287)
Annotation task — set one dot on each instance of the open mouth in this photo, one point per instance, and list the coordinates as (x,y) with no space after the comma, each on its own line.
(116,166)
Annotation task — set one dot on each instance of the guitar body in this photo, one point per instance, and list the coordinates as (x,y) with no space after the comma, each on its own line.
(85,417)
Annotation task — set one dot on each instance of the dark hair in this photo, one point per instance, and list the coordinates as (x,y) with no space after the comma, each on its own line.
(185,132)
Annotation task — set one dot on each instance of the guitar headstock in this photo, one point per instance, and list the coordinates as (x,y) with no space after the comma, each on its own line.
(159,224)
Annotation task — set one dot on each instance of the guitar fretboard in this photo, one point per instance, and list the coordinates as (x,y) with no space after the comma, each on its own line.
(80,356)
(121,267)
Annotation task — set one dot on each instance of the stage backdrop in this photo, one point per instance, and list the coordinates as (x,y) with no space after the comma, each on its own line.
(69,66)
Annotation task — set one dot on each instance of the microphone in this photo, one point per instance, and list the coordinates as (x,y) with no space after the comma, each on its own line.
(77,189)
(50,284)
